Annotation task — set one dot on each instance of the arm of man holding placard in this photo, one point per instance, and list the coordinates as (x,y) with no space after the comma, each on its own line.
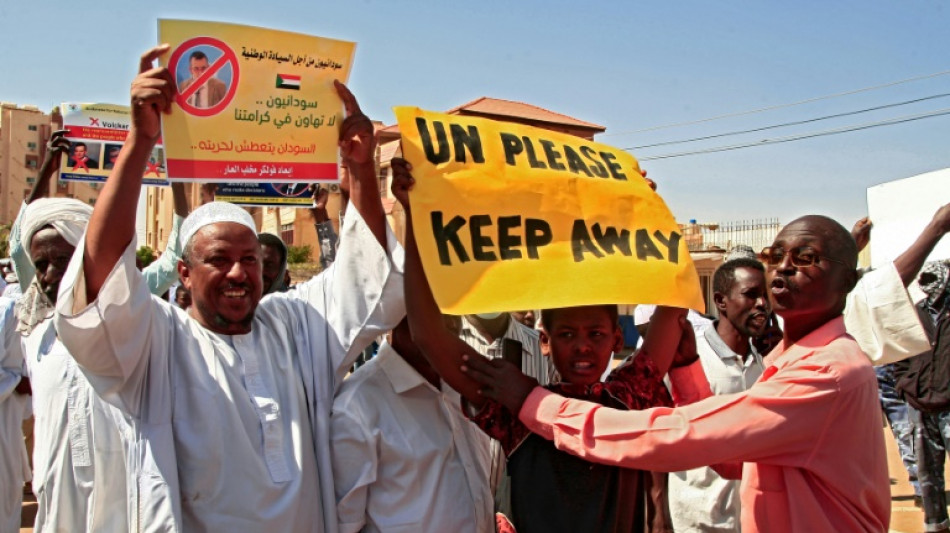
(443,349)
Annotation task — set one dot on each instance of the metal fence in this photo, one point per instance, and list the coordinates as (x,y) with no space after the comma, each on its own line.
(724,236)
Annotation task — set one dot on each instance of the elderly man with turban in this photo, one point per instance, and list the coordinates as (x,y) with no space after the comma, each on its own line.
(79,452)
(76,438)
(234,394)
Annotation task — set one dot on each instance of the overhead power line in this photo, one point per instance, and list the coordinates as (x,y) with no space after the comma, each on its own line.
(765,142)
(781,106)
(795,123)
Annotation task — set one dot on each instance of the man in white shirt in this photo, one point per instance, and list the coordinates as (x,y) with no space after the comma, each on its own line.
(232,399)
(701,500)
(404,457)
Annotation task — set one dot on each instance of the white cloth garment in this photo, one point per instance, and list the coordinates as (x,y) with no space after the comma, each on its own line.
(12,291)
(880,315)
(244,419)
(76,442)
(700,500)
(73,454)
(79,471)
(67,216)
(14,469)
(404,456)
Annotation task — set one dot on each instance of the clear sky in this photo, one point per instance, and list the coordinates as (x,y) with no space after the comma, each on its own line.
(626,65)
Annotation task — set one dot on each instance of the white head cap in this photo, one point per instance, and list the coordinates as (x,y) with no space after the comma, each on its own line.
(212,213)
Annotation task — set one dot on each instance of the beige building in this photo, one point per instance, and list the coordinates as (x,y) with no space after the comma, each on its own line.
(24,131)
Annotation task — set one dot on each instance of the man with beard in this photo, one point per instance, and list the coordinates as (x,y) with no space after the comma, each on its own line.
(232,398)
(807,433)
(701,500)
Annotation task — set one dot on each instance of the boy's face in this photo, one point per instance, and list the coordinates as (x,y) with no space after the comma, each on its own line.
(581,340)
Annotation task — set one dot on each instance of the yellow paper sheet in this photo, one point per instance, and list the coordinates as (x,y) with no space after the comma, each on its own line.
(511,217)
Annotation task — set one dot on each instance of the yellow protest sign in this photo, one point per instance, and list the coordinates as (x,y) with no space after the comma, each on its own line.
(252,104)
(512,217)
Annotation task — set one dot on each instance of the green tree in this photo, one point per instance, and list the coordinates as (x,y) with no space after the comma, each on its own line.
(5,240)
(146,255)
(298,254)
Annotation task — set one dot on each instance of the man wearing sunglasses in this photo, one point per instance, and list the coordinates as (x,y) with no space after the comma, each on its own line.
(807,433)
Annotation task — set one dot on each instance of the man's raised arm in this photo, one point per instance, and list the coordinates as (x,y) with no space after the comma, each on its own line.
(442,348)
(358,152)
(55,148)
(910,262)
(112,225)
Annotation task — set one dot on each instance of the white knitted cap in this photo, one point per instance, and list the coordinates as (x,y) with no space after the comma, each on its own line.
(212,213)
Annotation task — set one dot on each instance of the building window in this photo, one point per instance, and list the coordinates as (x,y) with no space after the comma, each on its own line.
(383,180)
(30,180)
(92,201)
(31,127)
(31,146)
(287,233)
(31,161)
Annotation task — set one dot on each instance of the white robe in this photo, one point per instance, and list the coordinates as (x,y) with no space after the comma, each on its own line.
(14,470)
(78,465)
(881,317)
(237,427)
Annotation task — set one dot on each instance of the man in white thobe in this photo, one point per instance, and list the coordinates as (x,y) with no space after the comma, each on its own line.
(76,441)
(234,395)
(14,468)
(79,439)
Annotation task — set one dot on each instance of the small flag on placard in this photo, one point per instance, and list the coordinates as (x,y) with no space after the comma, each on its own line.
(288,81)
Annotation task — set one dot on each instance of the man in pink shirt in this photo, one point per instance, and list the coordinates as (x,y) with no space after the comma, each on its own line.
(808,432)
